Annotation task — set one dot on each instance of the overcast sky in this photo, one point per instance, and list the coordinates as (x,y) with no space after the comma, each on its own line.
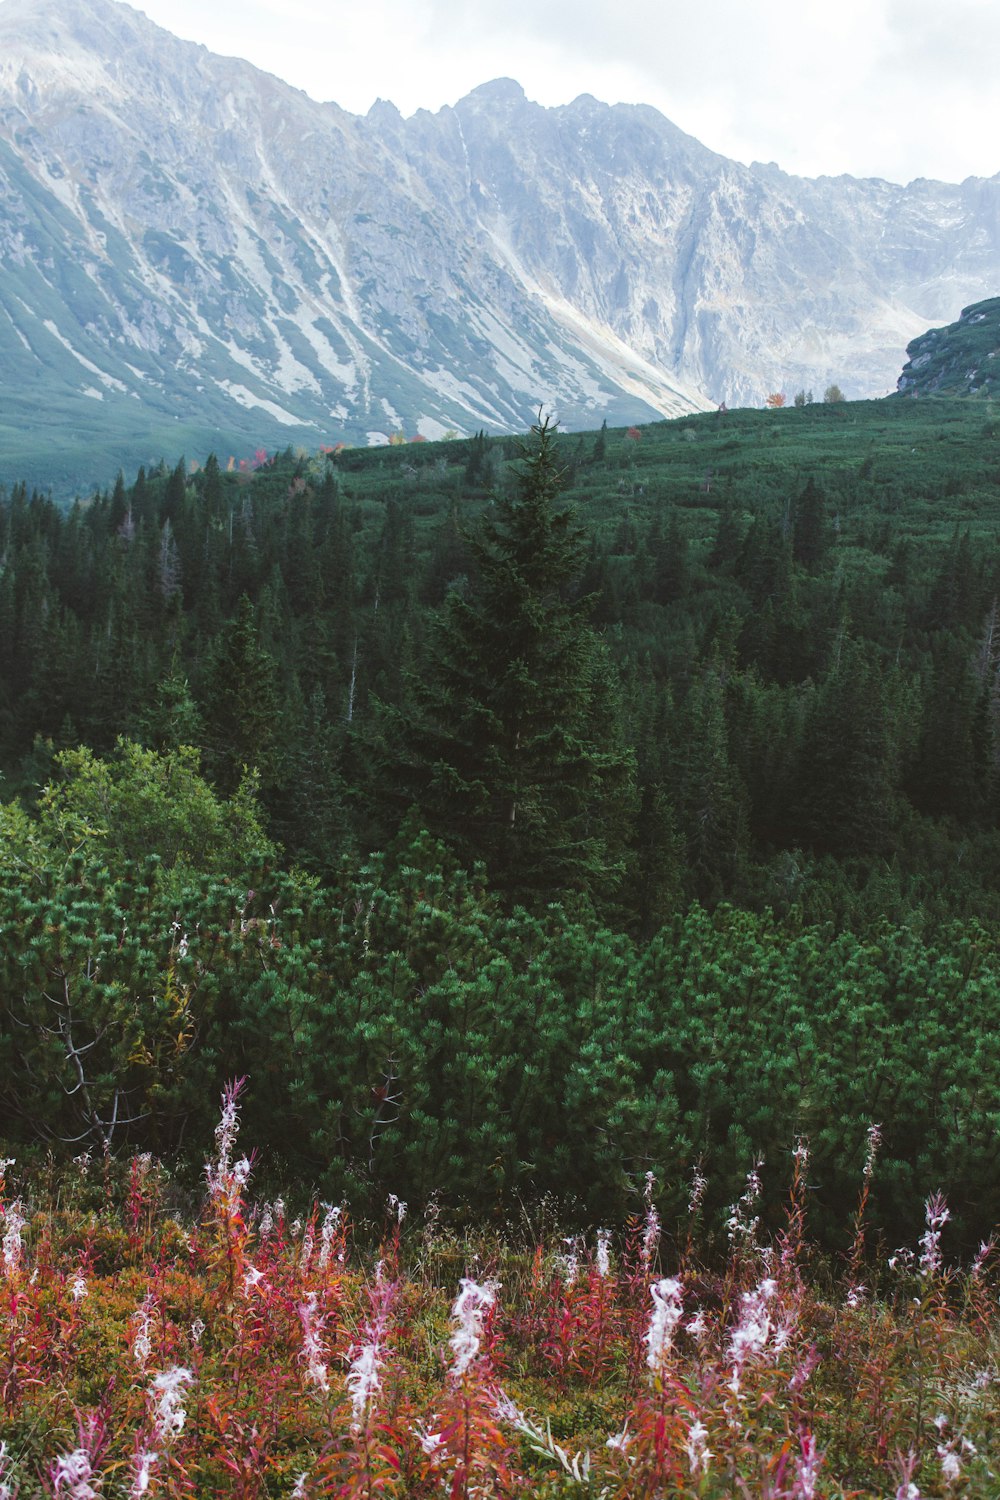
(889,88)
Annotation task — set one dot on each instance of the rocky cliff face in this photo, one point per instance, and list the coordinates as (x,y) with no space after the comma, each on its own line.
(184,231)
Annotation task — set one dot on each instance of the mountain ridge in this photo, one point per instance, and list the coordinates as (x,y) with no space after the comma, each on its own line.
(195,249)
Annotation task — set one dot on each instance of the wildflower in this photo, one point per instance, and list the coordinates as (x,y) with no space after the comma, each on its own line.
(907,1489)
(229,1125)
(312,1346)
(363,1379)
(697,1327)
(874,1141)
(225,1180)
(568,1263)
(299,1492)
(699,1182)
(197,1329)
(429,1442)
(168,1390)
(78,1288)
(8,1491)
(937,1215)
(469,1309)
(749,1338)
(398,1207)
(507,1410)
(71,1474)
(951,1467)
(251,1279)
(984,1252)
(803,1370)
(806,1468)
(10,1248)
(651,1233)
(327,1231)
(697,1449)
(782,1334)
(740,1226)
(666,1295)
(619,1441)
(603,1252)
(142,1346)
(145,1461)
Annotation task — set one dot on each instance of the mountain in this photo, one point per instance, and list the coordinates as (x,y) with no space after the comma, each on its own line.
(194,255)
(958,360)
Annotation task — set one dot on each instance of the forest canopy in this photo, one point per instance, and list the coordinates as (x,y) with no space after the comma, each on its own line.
(520,816)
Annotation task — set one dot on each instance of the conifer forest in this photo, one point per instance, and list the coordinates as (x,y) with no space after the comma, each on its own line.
(591,841)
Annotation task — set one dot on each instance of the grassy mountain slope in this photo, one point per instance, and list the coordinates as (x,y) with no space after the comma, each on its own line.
(958,360)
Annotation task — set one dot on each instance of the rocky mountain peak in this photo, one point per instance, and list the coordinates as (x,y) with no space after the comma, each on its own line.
(201,253)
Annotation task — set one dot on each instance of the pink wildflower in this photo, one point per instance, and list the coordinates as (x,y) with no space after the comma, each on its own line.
(937,1215)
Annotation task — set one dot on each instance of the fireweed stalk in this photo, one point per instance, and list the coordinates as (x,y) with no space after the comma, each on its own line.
(468,1445)
(8,1489)
(857,1255)
(226,1181)
(75,1476)
(666,1435)
(371,1460)
(11,1246)
(699,1185)
(167,1417)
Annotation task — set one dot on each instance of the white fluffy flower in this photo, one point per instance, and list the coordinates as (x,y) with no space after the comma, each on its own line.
(698,1452)
(167,1390)
(666,1315)
(145,1462)
(469,1309)
(312,1345)
(10,1250)
(363,1380)
(604,1253)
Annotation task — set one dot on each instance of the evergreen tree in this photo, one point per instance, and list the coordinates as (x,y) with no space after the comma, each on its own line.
(512,750)
(241,703)
(810,535)
(671,566)
(601,443)
(847,769)
(711,800)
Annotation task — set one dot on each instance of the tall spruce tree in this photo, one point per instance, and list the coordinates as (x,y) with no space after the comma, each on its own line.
(511,746)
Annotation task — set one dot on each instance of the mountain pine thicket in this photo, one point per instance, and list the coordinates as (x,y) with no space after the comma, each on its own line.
(680,751)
